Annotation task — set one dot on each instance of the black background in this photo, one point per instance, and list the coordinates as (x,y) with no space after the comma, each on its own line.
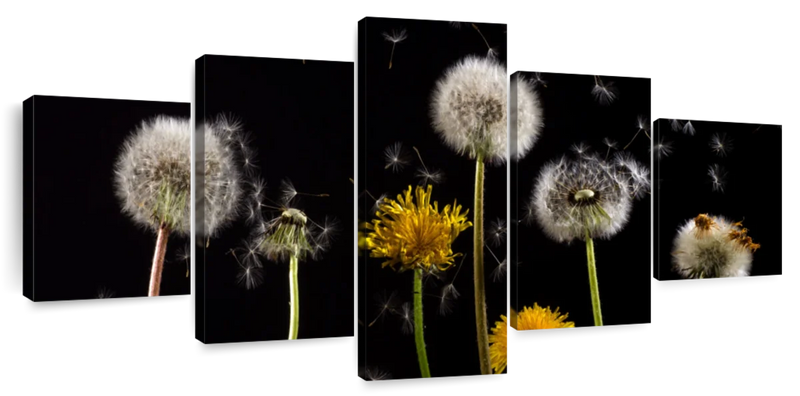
(83,242)
(555,274)
(397,110)
(301,119)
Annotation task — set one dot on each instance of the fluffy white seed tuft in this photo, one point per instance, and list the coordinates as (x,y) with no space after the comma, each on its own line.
(224,143)
(469,108)
(153,174)
(710,252)
(526,114)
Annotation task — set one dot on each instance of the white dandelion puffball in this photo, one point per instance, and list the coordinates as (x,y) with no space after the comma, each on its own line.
(526,114)
(712,247)
(573,197)
(224,143)
(153,174)
(468,108)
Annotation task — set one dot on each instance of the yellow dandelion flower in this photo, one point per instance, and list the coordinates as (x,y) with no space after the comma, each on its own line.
(536,318)
(415,235)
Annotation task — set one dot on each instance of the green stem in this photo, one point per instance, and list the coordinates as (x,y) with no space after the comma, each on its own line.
(294,299)
(419,328)
(481,322)
(598,316)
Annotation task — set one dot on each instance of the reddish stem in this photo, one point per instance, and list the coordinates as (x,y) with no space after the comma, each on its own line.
(158,261)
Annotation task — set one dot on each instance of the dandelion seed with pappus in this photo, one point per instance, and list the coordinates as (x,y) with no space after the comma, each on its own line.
(720,144)
(604,93)
(395,37)
(585,199)
(469,112)
(412,234)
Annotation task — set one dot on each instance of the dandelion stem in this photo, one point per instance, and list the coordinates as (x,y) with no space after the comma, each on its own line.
(419,327)
(598,316)
(391,57)
(480,290)
(294,301)
(158,261)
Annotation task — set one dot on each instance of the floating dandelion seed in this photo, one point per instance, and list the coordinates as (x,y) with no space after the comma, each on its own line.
(385,303)
(721,144)
(580,149)
(497,232)
(526,115)
(407,318)
(395,37)
(458,23)
(712,247)
(536,318)
(499,273)
(718,178)
(449,292)
(676,125)
(688,128)
(610,144)
(538,80)
(662,149)
(185,255)
(376,374)
(395,157)
(104,292)
(152,177)
(427,176)
(604,93)
(492,53)
(643,126)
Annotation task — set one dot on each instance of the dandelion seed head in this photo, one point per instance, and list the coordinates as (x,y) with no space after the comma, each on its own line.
(712,247)
(468,108)
(152,175)
(526,114)
(571,198)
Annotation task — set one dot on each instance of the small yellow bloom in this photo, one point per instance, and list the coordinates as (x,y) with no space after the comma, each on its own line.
(415,236)
(536,318)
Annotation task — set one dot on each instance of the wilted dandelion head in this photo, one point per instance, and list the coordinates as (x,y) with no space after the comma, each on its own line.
(712,247)
(415,235)
(588,196)
(526,114)
(536,318)
(153,174)
(223,143)
(287,235)
(468,108)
